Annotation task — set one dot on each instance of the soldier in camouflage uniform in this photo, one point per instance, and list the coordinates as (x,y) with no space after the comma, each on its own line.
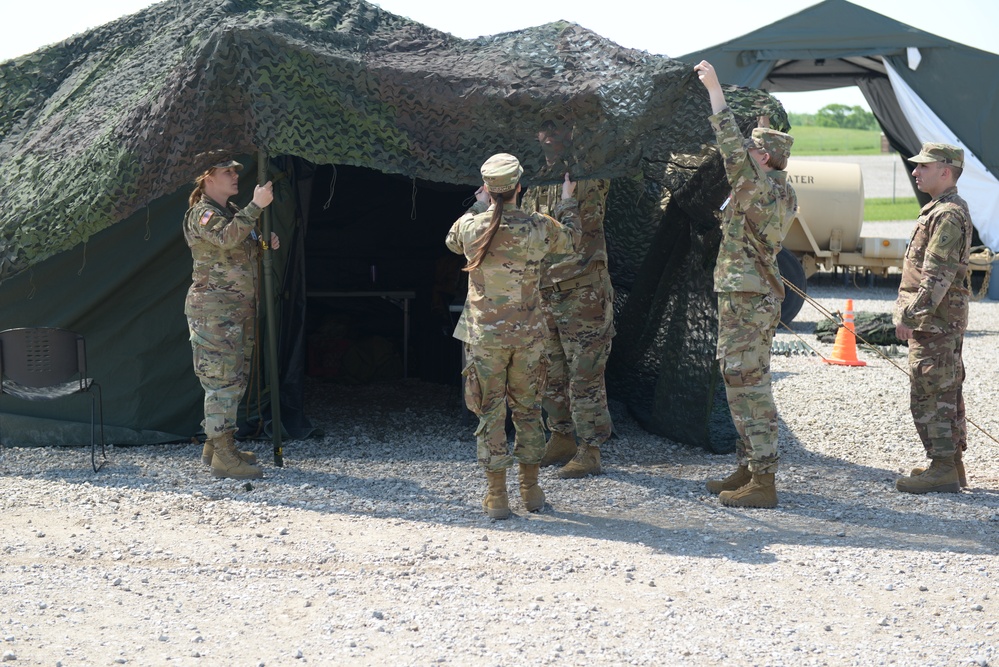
(756,218)
(502,324)
(221,307)
(931,313)
(578,300)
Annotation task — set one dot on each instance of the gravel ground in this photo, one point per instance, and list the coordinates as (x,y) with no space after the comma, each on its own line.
(369,547)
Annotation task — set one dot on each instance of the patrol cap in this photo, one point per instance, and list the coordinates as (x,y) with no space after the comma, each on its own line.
(932,152)
(216,158)
(776,143)
(501,172)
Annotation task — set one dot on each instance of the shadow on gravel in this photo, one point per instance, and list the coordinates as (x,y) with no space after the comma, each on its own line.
(812,518)
(668,513)
(402,453)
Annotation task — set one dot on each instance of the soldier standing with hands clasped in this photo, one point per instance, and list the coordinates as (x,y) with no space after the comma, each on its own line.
(931,313)
(756,218)
(221,306)
(502,324)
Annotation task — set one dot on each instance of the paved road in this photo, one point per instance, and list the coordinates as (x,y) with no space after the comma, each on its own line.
(882,173)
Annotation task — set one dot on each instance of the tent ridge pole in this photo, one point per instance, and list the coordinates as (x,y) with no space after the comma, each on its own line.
(273,374)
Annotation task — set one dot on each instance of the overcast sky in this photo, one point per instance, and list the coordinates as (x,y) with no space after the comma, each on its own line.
(670,27)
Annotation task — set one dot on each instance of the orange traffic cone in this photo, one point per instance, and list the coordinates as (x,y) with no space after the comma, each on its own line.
(845,348)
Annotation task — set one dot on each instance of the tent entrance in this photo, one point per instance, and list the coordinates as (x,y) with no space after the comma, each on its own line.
(378,279)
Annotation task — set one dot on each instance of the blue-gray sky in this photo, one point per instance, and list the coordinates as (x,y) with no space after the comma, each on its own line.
(669,27)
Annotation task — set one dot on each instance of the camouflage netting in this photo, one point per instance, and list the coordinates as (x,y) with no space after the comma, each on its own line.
(126,109)
(97,127)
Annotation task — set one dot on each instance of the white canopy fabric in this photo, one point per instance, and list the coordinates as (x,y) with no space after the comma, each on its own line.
(977,186)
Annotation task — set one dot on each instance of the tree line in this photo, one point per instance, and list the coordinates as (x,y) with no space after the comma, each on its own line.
(837,115)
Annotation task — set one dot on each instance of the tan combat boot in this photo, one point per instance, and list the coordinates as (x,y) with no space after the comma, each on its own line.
(226,462)
(530,492)
(759,492)
(585,462)
(560,449)
(497,502)
(209,450)
(940,477)
(962,478)
(736,480)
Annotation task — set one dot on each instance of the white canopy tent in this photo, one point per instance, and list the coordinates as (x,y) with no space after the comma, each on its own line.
(921,87)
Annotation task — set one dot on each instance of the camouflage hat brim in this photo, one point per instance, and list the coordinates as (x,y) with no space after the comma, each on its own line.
(226,164)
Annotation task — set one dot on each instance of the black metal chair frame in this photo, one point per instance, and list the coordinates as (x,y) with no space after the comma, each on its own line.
(46,363)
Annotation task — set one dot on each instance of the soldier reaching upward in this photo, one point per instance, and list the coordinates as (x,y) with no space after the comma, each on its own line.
(756,218)
(502,325)
(578,300)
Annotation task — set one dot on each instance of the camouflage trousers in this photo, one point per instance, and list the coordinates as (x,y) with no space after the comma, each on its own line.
(746,325)
(496,377)
(578,343)
(936,396)
(223,354)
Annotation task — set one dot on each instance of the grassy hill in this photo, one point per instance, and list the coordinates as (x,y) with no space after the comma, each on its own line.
(814,140)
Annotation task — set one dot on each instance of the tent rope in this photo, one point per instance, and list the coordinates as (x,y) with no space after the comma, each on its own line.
(838,318)
(981,258)
(332,190)
(84,265)
(412,212)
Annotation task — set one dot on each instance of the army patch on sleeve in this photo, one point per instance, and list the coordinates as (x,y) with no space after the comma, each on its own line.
(944,239)
(205,217)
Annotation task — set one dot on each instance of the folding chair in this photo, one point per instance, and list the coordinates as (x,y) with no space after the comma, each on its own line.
(46,363)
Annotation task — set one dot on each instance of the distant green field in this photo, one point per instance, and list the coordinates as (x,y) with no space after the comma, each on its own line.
(885,209)
(812,140)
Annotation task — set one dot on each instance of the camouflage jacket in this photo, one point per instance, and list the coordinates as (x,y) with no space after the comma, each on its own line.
(932,295)
(503,306)
(224,245)
(592,247)
(756,217)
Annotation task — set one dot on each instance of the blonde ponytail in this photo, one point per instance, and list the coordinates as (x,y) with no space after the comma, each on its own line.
(199,188)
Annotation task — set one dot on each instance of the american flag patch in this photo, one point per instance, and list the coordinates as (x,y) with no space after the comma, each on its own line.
(205,217)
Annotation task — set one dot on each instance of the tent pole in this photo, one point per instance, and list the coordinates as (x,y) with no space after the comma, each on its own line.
(274,378)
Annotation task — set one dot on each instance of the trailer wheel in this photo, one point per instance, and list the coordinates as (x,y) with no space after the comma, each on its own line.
(792,271)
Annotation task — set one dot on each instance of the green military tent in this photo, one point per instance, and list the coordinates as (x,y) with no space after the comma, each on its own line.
(374,127)
(921,87)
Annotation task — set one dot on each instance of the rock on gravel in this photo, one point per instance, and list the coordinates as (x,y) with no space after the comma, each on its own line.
(369,546)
